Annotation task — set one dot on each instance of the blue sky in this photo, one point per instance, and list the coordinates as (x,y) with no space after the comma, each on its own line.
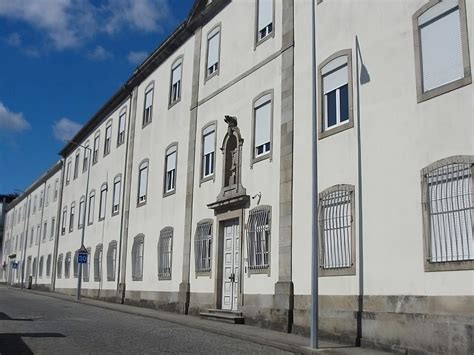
(60,62)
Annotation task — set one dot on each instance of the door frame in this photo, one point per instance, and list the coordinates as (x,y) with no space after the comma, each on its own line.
(221,220)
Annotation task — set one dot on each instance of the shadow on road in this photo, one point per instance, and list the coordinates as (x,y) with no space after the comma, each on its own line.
(12,343)
(4,316)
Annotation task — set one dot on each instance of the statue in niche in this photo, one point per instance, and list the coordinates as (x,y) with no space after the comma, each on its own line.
(231,161)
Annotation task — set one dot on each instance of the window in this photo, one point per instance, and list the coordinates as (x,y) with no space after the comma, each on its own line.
(103,201)
(85,161)
(264,19)
(121,130)
(40,204)
(48,266)
(170,169)
(48,191)
(53,223)
(176,73)
(34,267)
(68,172)
(142,183)
(213,52)
(95,153)
(208,152)
(32,236)
(111,260)
(76,165)
(76,263)
(258,238)
(448,209)
(165,251)
(337,233)
(441,48)
(148,108)
(90,218)
(203,247)
(116,195)
(38,234)
(108,139)
(56,190)
(98,263)
(40,268)
(34,205)
(67,265)
(45,231)
(71,217)
(60,266)
(262,126)
(335,76)
(82,210)
(86,267)
(137,258)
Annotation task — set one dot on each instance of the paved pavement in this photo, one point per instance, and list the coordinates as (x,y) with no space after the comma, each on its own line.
(45,323)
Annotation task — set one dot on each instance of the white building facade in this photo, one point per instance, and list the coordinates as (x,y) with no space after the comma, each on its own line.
(200,168)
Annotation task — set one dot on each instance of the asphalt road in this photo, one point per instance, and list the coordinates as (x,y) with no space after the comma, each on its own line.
(37,324)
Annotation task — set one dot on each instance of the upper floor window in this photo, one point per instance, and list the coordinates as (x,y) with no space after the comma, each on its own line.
(90,217)
(103,201)
(208,151)
(203,247)
(68,172)
(337,233)
(76,164)
(81,217)
(258,238)
(95,153)
(63,222)
(56,190)
(108,138)
(148,105)
(85,161)
(441,48)
(48,192)
(71,217)
(45,231)
(165,251)
(170,169)
(265,13)
(448,206)
(121,130)
(53,226)
(142,183)
(335,77)
(111,260)
(263,122)
(175,89)
(116,195)
(213,51)
(137,257)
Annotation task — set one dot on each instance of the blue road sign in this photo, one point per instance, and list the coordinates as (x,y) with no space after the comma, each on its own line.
(82,258)
(15,265)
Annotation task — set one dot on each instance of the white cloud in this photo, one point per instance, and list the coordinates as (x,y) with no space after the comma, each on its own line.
(14,39)
(70,23)
(11,121)
(136,58)
(65,129)
(99,53)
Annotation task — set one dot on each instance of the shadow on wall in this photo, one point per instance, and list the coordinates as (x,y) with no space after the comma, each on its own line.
(12,343)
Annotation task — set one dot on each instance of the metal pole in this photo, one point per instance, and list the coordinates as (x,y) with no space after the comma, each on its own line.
(314,215)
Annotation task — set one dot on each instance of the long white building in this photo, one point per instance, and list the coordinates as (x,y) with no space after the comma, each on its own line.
(200,168)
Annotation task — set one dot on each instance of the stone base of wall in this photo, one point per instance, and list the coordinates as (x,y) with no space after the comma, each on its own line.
(166,301)
(42,287)
(103,295)
(413,324)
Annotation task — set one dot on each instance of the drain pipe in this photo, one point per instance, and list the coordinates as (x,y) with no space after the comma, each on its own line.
(315,196)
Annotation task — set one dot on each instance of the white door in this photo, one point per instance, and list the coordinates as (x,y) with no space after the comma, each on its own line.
(231,264)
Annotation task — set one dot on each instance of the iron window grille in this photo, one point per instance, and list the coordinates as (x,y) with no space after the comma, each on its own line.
(67,265)
(258,238)
(40,271)
(48,266)
(448,206)
(137,258)
(111,260)
(337,244)
(76,264)
(60,266)
(165,250)
(203,247)
(98,263)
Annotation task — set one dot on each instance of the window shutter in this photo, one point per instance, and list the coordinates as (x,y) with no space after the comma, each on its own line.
(441,49)
(265,13)
(262,124)
(148,99)
(171,161)
(213,50)
(122,123)
(116,193)
(209,142)
(143,181)
(108,132)
(176,74)
(335,79)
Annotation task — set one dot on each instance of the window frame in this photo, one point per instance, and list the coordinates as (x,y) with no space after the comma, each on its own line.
(139,239)
(86,157)
(218,29)
(122,113)
(260,269)
(117,180)
(144,164)
(59,269)
(72,213)
(111,271)
(267,155)
(166,192)
(322,132)
(67,265)
(87,266)
(81,213)
(150,87)
(96,148)
(77,158)
(165,233)
(48,265)
(98,264)
(440,90)
(199,256)
(63,221)
(68,175)
(213,175)
(256,29)
(91,206)
(441,265)
(108,141)
(176,63)
(103,202)
(341,271)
